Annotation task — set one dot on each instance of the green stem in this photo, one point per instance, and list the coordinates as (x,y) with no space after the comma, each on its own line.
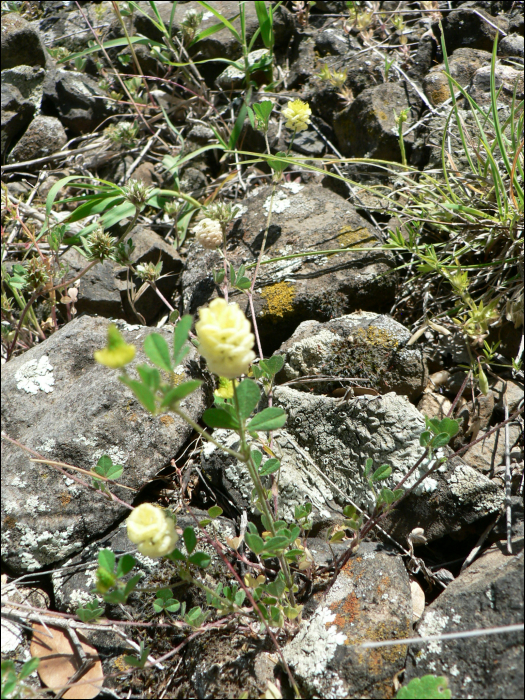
(206,435)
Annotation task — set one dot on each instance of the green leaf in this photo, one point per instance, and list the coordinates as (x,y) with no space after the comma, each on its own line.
(265,24)
(180,336)
(28,668)
(142,392)
(431,687)
(368,465)
(337,536)
(387,496)
(180,392)
(177,555)
(275,544)
(214,511)
(254,542)
(190,539)
(293,553)
(269,419)
(200,559)
(440,440)
(106,560)
(257,457)
(90,611)
(238,126)
(383,472)
(156,348)
(229,25)
(424,438)
(350,512)
(125,564)
(131,584)
(248,396)
(277,165)
(219,418)
(447,425)
(150,376)
(269,467)
(251,117)
(275,364)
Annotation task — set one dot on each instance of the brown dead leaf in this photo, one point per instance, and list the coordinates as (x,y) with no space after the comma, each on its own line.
(59,662)
(418,599)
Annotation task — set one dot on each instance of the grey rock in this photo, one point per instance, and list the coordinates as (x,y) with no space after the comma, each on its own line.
(507,81)
(16,115)
(57,401)
(367,128)
(463,64)
(74,582)
(362,345)
(21,43)
(305,218)
(99,291)
(465,28)
(302,60)
(369,600)
(488,594)
(29,80)
(298,483)
(66,25)
(490,453)
(150,248)
(75,99)
(340,435)
(331,42)
(309,143)
(232,78)
(511,45)
(43,136)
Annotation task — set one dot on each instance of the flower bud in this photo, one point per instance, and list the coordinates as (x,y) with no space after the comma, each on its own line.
(208,233)
(152,531)
(225,339)
(297,113)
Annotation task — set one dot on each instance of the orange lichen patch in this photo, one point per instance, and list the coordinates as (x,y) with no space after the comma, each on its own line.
(65,498)
(9,522)
(166,420)
(383,585)
(349,237)
(133,417)
(279,299)
(345,610)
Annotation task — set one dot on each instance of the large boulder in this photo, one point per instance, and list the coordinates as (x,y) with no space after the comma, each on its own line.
(21,43)
(61,405)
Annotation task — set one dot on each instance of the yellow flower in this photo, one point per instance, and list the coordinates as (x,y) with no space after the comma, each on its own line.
(225,390)
(208,233)
(225,340)
(297,114)
(117,353)
(152,531)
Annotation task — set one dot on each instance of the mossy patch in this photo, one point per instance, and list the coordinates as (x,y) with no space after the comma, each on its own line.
(279,299)
(349,237)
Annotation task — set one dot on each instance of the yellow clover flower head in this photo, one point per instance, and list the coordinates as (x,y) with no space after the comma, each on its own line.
(297,113)
(152,531)
(225,339)
(208,233)
(117,353)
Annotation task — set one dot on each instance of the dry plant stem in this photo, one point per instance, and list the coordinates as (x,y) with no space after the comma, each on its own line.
(42,459)
(255,327)
(11,348)
(116,10)
(459,394)
(115,72)
(508,493)
(161,296)
(53,463)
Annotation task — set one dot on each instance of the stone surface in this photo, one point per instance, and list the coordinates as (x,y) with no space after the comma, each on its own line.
(21,43)
(76,99)
(507,81)
(17,113)
(98,292)
(434,405)
(488,594)
(43,136)
(363,345)
(490,453)
(467,27)
(57,401)
(74,582)
(511,45)
(151,248)
(298,482)
(340,435)
(232,78)
(29,80)
(367,128)
(369,601)
(305,218)
(463,64)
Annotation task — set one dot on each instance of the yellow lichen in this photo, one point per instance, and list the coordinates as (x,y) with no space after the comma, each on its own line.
(166,420)
(65,498)
(279,299)
(348,237)
(377,336)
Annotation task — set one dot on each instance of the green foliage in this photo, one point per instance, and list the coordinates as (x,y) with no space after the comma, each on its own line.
(426,688)
(90,611)
(165,601)
(139,662)
(109,584)
(12,686)
(107,469)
